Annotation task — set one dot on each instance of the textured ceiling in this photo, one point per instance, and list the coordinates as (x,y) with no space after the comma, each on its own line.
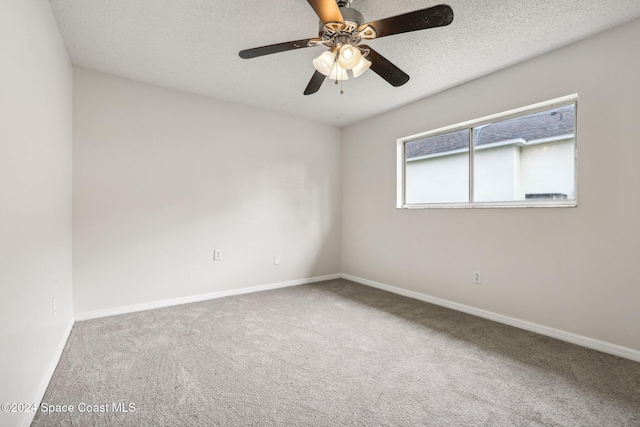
(193,45)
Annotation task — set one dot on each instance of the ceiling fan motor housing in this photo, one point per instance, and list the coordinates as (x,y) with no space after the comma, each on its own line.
(337,33)
(351,15)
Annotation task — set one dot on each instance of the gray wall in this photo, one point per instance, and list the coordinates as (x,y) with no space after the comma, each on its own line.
(573,269)
(162,178)
(35,204)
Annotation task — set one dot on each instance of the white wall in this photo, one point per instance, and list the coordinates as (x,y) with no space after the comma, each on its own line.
(162,178)
(35,200)
(567,268)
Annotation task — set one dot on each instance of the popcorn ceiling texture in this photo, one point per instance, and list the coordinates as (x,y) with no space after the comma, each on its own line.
(193,45)
(332,354)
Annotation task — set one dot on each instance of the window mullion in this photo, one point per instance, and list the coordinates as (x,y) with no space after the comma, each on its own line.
(471,163)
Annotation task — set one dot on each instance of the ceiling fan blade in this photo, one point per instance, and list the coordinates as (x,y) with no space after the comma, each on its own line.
(327,10)
(273,48)
(385,69)
(314,84)
(436,16)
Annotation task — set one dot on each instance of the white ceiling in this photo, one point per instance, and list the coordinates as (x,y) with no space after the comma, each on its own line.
(193,45)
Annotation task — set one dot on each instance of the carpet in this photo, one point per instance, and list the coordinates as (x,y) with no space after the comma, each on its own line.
(333,353)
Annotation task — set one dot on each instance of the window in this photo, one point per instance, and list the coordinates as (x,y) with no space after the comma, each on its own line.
(524,157)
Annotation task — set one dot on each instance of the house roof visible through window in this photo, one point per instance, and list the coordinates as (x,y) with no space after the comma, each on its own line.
(545,124)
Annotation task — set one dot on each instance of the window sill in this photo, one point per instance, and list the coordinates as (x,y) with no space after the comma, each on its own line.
(485,205)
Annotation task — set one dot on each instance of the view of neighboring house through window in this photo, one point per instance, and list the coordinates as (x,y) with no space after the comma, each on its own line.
(524,157)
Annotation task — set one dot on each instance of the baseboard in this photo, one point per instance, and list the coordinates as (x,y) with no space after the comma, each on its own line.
(27,417)
(605,347)
(201,297)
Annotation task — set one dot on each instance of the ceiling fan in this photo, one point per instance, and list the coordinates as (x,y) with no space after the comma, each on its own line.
(342,30)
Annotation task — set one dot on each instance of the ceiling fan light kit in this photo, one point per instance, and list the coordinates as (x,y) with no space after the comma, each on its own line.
(324,62)
(342,30)
(349,56)
(361,67)
(338,73)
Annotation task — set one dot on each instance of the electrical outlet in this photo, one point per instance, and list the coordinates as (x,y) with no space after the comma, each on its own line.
(217,255)
(276,260)
(477,276)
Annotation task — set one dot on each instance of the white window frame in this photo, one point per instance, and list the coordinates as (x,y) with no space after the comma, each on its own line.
(537,203)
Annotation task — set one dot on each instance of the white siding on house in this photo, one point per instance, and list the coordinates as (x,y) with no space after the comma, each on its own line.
(502,173)
(549,168)
(442,179)
(497,174)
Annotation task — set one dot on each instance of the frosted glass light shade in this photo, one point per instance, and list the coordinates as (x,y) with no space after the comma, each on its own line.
(362,66)
(324,62)
(338,73)
(349,56)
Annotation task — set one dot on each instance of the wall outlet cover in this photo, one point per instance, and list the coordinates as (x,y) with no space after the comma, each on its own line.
(477,276)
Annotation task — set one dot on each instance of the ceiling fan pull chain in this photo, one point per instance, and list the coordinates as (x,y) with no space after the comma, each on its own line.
(335,60)
(341,86)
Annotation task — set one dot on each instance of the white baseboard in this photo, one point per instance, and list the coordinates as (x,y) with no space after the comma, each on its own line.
(27,417)
(197,298)
(605,347)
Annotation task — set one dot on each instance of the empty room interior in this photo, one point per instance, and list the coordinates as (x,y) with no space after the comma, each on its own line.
(420,214)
